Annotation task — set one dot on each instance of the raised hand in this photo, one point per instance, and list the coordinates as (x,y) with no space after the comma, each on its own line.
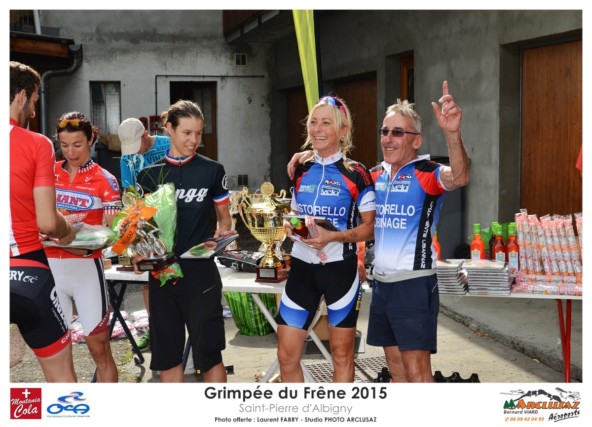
(448,113)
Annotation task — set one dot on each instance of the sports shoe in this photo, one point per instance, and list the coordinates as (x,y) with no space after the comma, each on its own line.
(144,341)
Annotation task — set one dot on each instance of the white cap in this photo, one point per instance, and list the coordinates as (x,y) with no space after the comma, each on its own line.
(130,134)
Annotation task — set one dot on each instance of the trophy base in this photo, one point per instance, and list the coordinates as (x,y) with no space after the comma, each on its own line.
(271,275)
(157,263)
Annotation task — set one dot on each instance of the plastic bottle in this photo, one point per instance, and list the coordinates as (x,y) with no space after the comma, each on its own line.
(512,250)
(299,227)
(436,243)
(499,249)
(477,245)
(492,240)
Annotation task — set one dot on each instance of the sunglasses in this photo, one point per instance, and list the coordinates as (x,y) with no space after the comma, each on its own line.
(334,102)
(396,132)
(73,123)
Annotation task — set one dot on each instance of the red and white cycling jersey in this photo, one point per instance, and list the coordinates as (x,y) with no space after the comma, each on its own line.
(93,191)
(32,161)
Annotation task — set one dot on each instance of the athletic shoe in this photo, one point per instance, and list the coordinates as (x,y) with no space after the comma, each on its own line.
(144,341)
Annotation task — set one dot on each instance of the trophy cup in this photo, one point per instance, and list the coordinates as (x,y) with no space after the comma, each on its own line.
(262,213)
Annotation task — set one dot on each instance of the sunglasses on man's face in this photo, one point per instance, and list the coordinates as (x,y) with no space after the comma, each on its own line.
(396,132)
(74,123)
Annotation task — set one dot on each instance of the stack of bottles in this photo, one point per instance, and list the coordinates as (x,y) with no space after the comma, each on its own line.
(550,254)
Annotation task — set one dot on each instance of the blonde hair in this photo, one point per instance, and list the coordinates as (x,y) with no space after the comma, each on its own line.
(341,118)
(405,108)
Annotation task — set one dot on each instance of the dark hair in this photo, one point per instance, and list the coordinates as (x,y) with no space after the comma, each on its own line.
(23,77)
(75,121)
(182,108)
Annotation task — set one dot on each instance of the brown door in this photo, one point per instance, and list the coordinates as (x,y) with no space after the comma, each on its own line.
(551,129)
(204,93)
(360,96)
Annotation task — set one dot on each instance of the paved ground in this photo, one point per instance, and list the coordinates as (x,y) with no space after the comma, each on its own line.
(502,340)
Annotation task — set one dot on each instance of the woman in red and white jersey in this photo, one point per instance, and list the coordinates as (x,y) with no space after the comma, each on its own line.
(83,187)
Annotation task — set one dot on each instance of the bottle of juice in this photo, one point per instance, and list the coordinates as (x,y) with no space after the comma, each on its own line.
(512,250)
(499,249)
(299,227)
(436,243)
(477,245)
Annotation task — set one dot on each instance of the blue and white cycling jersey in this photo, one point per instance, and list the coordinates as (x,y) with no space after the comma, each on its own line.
(326,188)
(408,205)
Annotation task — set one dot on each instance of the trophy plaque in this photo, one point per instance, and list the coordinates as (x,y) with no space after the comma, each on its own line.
(263,213)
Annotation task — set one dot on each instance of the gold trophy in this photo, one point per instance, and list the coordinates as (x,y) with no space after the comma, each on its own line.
(262,213)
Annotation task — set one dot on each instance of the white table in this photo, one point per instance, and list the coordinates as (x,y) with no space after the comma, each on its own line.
(232,281)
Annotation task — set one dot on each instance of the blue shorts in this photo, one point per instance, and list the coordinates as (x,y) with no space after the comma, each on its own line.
(405,314)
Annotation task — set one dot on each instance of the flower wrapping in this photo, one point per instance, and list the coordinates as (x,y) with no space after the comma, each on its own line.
(154,210)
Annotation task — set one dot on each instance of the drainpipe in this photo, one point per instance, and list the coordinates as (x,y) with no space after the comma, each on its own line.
(37,22)
(76,51)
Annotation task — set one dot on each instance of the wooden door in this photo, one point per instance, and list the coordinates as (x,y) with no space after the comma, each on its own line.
(360,96)
(551,129)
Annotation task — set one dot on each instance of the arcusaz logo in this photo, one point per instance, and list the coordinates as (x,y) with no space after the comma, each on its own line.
(541,405)
(25,403)
(70,405)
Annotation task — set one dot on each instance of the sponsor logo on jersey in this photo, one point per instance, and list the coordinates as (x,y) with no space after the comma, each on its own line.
(307,188)
(191,194)
(405,176)
(327,190)
(400,186)
(380,186)
(74,200)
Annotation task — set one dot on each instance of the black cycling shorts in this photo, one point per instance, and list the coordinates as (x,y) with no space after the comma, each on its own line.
(34,305)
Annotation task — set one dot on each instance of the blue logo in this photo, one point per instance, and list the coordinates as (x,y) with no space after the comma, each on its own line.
(69,405)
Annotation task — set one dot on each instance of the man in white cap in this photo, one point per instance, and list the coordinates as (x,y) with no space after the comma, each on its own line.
(139,150)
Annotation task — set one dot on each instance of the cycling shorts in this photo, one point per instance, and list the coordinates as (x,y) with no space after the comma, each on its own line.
(35,306)
(337,281)
(81,281)
(195,303)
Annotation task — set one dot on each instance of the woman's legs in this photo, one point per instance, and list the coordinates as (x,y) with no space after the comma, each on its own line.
(342,341)
(99,347)
(290,347)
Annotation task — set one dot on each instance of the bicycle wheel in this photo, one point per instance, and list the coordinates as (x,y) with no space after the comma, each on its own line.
(160,248)
(143,248)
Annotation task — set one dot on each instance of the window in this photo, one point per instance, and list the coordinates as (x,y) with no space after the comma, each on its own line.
(105,99)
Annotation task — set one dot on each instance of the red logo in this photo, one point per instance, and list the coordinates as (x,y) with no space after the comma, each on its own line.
(25,403)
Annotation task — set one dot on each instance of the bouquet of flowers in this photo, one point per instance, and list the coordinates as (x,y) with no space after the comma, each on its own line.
(147,227)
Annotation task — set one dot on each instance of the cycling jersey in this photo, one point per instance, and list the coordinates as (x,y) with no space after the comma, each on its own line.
(407,209)
(32,161)
(131,164)
(93,191)
(326,188)
(199,184)
(194,301)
